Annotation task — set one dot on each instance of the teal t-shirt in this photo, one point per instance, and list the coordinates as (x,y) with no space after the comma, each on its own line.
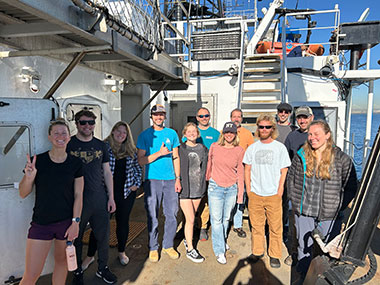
(151,140)
(208,137)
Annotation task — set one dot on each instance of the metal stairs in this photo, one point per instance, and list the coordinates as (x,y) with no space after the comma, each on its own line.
(261,91)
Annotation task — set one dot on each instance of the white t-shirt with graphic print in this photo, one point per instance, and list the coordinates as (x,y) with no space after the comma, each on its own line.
(266,160)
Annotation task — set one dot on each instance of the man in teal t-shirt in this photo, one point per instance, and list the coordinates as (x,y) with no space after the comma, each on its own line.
(208,135)
(157,149)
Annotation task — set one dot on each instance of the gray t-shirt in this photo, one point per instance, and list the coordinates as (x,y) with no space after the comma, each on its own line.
(193,162)
(283,132)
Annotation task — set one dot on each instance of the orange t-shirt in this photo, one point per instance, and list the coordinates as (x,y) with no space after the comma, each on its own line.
(245,138)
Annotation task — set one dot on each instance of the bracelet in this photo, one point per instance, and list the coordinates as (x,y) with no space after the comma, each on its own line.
(178,177)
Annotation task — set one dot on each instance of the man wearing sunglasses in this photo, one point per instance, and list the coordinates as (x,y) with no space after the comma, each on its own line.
(208,135)
(283,125)
(98,201)
(245,140)
(266,164)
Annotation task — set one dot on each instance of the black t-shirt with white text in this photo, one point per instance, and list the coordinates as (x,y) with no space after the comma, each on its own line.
(93,154)
(55,189)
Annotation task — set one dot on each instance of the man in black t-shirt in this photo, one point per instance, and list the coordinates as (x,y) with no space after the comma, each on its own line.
(98,199)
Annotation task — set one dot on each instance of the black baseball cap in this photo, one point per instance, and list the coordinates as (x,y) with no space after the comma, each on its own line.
(284,106)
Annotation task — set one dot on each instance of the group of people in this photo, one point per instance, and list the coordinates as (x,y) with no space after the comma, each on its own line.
(293,177)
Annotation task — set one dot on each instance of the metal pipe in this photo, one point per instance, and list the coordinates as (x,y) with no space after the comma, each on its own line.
(48,52)
(162,87)
(367,138)
(64,75)
(81,4)
(348,120)
(241,70)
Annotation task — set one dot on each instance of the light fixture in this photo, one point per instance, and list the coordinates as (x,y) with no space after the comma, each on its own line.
(113,84)
(30,75)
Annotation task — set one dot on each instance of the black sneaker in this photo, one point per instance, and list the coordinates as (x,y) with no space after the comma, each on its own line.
(106,275)
(274,262)
(185,244)
(240,232)
(194,256)
(78,277)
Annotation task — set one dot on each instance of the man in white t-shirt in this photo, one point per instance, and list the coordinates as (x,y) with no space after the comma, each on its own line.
(266,164)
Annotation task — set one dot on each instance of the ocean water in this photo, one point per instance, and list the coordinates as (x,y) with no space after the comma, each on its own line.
(358,128)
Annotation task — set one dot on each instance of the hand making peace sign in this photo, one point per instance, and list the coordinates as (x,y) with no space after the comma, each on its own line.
(30,169)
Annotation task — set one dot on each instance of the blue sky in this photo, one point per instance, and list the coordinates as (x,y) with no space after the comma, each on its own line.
(350,11)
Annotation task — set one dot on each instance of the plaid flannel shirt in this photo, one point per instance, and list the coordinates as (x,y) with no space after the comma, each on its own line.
(133,171)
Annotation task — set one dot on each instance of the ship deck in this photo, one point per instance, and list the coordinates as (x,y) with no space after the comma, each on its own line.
(183,271)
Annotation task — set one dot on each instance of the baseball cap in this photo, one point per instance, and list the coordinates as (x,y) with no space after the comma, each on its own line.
(284,106)
(158,108)
(229,127)
(304,110)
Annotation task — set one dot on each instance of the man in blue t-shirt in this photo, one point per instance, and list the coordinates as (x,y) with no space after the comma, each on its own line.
(208,135)
(157,149)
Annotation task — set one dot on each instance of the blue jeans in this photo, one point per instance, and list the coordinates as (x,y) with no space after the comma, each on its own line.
(155,192)
(221,201)
(238,212)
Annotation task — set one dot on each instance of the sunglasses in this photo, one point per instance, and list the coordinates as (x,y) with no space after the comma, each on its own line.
(84,122)
(283,111)
(204,116)
(265,127)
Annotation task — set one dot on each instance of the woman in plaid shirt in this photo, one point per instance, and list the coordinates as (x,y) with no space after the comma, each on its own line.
(126,179)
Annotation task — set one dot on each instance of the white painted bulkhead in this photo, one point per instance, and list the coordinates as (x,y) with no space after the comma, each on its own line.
(83,87)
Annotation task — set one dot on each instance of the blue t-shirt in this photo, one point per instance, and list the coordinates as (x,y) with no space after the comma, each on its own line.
(151,141)
(207,137)
(266,160)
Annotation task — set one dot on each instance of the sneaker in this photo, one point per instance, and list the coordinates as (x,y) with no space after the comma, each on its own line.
(221,258)
(87,262)
(153,256)
(203,235)
(123,258)
(274,262)
(194,256)
(171,252)
(78,277)
(240,232)
(107,275)
(185,244)
(227,247)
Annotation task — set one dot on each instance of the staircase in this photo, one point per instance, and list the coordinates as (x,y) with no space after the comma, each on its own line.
(261,92)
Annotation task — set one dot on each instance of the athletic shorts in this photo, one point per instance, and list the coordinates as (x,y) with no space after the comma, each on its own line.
(50,231)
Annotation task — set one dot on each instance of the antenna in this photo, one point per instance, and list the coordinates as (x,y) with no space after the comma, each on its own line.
(364,15)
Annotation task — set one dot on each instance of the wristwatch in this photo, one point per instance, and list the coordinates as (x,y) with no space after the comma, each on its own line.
(76,219)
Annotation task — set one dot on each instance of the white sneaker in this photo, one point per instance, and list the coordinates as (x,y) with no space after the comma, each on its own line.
(227,247)
(221,258)
(124,259)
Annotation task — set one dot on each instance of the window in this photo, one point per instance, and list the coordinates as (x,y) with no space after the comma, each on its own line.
(14,145)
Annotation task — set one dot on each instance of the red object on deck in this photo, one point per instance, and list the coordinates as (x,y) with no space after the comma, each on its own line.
(276,47)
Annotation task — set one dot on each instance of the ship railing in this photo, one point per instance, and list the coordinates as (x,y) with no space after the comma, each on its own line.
(205,39)
(330,26)
(138,20)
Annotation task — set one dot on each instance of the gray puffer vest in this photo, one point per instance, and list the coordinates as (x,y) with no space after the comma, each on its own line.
(338,191)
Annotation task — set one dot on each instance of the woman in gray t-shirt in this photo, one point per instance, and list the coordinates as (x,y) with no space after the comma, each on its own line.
(193,160)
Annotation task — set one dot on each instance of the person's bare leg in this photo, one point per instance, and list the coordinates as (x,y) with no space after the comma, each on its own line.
(36,253)
(60,263)
(189,208)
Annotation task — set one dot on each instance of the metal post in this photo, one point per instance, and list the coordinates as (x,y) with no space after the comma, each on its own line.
(241,69)
(348,121)
(368,122)
(284,74)
(162,87)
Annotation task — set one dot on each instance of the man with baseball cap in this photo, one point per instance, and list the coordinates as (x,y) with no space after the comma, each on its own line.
(157,149)
(283,125)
